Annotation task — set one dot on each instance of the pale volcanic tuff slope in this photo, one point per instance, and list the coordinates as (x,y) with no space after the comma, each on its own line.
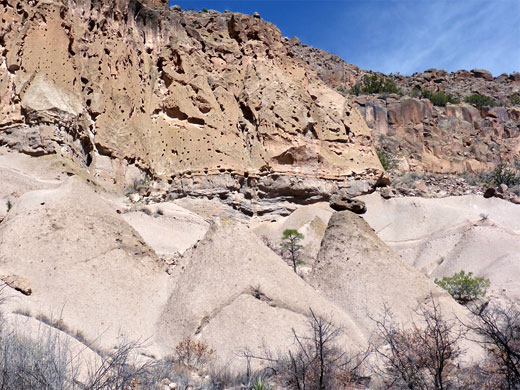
(80,252)
(214,103)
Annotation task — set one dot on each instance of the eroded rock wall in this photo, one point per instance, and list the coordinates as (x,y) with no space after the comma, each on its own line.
(215,104)
(453,139)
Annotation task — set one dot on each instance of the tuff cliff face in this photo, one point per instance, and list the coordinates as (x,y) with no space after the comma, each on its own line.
(221,105)
(214,104)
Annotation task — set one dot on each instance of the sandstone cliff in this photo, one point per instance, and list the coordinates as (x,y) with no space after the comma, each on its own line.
(212,104)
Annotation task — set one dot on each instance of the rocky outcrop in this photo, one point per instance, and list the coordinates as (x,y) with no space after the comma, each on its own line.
(334,71)
(455,138)
(462,83)
(212,104)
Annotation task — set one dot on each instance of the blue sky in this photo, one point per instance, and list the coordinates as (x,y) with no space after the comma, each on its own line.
(394,36)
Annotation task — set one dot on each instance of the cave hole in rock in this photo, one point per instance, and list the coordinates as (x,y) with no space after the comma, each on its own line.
(247,113)
(176,113)
(196,121)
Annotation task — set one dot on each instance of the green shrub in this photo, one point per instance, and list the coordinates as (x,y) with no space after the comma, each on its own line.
(416,92)
(261,384)
(291,243)
(479,100)
(374,84)
(356,89)
(515,99)
(505,174)
(341,89)
(464,287)
(439,98)
(387,160)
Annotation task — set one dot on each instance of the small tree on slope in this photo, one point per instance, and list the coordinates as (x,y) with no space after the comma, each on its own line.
(291,243)
(464,287)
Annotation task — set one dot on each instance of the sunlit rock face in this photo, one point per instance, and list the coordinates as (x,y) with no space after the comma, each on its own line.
(454,138)
(215,103)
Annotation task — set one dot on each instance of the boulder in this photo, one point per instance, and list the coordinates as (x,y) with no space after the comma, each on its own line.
(340,203)
(383,181)
(482,74)
(421,188)
(388,192)
(502,188)
(18,283)
(489,192)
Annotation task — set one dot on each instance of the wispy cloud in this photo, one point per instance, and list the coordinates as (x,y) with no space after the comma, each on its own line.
(413,36)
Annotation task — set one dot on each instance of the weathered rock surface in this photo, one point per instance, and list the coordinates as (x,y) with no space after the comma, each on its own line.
(221,108)
(86,264)
(19,283)
(341,204)
(456,138)
(83,262)
(214,104)
(167,228)
(452,139)
(233,292)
